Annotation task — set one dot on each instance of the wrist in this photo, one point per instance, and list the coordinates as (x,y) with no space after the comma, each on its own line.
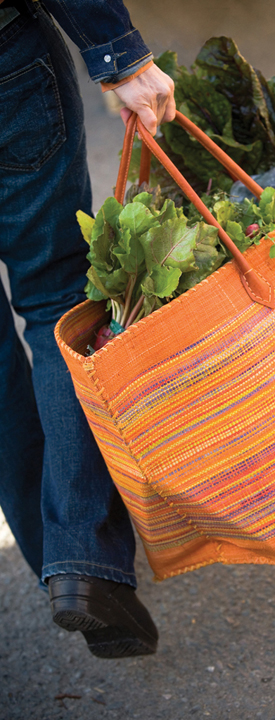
(105,86)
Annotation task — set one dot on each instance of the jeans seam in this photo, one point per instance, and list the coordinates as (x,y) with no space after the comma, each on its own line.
(57,99)
(99,75)
(61,124)
(36,167)
(136,61)
(19,73)
(86,562)
(85,38)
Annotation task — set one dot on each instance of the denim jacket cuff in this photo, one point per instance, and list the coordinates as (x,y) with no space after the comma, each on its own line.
(115,60)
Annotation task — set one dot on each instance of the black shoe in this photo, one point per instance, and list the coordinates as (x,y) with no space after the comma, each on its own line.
(110,616)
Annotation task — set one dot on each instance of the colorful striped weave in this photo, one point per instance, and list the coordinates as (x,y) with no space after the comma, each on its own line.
(182,407)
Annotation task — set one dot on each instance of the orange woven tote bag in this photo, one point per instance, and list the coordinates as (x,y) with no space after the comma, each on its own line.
(182,403)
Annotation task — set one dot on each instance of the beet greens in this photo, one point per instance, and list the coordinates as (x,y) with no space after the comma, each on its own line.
(141,256)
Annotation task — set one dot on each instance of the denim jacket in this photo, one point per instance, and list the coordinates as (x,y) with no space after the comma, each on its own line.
(111,47)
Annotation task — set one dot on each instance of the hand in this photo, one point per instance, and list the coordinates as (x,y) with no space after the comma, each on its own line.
(151,96)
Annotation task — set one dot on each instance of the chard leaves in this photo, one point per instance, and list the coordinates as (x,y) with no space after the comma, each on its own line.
(171,244)
(86,223)
(129,252)
(143,255)
(137,217)
(142,252)
(221,62)
(162,281)
(232,102)
(110,284)
(208,255)
(267,205)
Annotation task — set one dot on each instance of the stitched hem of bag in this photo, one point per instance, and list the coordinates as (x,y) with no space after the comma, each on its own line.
(185,569)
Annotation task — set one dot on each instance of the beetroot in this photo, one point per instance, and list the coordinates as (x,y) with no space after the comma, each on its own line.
(102,336)
(252,230)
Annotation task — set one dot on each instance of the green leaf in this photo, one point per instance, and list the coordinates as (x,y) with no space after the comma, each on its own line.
(151,304)
(170,244)
(267,205)
(235,232)
(93,293)
(233,104)
(207,263)
(249,213)
(209,256)
(271,86)
(266,197)
(116,282)
(86,224)
(168,63)
(268,93)
(149,196)
(208,109)
(100,248)
(224,210)
(109,284)
(272,252)
(248,93)
(104,233)
(145,198)
(129,252)
(207,234)
(95,279)
(137,218)
(109,212)
(196,158)
(168,209)
(203,102)
(162,281)
(169,212)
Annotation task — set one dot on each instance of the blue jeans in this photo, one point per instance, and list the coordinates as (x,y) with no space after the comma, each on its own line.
(55,490)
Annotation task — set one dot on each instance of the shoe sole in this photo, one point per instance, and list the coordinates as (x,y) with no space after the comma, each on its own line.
(116,647)
(105,640)
(131,647)
(113,642)
(71,621)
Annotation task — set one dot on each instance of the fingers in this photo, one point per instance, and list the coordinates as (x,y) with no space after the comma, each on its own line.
(151,96)
(125,114)
(149,119)
(170,110)
(148,116)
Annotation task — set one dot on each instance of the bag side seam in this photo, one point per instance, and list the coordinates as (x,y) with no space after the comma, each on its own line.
(100,390)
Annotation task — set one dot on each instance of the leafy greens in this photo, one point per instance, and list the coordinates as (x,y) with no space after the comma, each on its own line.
(148,252)
(139,254)
(157,245)
(231,102)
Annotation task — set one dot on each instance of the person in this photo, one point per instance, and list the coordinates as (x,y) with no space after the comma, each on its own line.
(55,490)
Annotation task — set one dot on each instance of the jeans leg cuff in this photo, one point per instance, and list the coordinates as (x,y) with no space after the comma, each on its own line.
(93,569)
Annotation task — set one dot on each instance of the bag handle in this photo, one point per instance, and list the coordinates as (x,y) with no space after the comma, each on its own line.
(258,288)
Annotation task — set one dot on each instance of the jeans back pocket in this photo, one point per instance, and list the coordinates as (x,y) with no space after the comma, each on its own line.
(31,118)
